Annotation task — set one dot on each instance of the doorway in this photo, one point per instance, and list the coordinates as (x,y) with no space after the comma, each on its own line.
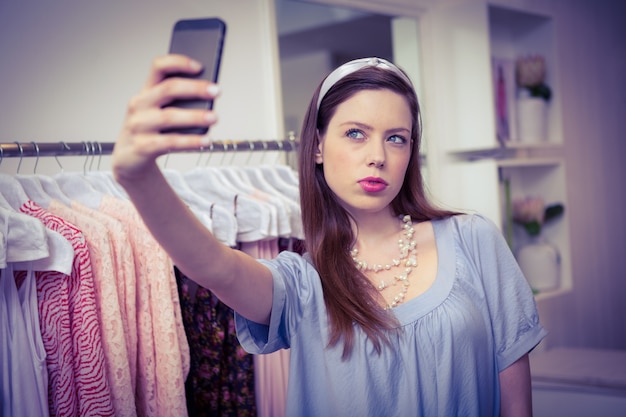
(314,39)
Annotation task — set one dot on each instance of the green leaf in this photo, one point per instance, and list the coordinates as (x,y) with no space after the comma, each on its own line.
(533,228)
(541,90)
(553,211)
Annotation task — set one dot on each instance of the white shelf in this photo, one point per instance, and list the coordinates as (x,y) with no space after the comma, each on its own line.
(545,295)
(468,163)
(533,145)
(529,162)
(516,155)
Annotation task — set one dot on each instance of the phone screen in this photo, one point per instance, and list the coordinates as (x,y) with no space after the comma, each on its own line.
(202,40)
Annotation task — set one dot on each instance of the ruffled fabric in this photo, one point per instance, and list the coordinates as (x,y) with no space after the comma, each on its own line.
(477,318)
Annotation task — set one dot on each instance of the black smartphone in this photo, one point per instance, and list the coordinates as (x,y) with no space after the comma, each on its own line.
(202,40)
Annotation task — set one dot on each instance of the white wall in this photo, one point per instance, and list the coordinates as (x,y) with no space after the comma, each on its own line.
(69,67)
(592,65)
(301,76)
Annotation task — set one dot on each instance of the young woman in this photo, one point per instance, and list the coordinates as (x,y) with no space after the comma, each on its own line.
(398,308)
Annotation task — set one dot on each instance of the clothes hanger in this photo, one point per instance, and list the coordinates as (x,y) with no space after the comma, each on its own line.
(50,186)
(233,177)
(265,177)
(282,178)
(253,218)
(199,206)
(103,181)
(286,209)
(12,190)
(286,199)
(27,238)
(224,220)
(215,172)
(272,175)
(287,188)
(263,190)
(252,175)
(91,177)
(76,187)
(279,223)
(287,173)
(32,186)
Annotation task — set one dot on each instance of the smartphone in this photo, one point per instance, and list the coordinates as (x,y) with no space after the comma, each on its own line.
(202,40)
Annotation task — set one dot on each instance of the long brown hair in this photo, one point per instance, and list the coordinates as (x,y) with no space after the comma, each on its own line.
(349,295)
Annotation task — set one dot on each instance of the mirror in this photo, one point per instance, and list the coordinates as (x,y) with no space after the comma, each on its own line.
(316,38)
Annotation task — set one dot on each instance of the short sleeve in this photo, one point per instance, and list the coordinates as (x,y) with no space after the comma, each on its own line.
(294,279)
(510,302)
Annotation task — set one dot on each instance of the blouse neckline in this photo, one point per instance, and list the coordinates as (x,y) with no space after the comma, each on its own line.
(415,308)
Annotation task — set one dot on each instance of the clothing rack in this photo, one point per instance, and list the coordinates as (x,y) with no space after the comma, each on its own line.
(34,149)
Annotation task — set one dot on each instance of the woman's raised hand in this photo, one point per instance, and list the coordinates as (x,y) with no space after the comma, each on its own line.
(141,140)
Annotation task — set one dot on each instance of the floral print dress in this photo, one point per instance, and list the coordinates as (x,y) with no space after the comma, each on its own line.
(221,376)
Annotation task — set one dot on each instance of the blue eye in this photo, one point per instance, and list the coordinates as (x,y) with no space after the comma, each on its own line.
(397,139)
(355,134)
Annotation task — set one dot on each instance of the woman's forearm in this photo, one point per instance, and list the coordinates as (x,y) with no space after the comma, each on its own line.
(238,280)
(515,389)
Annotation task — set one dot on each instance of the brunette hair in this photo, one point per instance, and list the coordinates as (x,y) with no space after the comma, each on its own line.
(349,295)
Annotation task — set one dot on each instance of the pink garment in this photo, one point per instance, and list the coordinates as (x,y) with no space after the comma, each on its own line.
(271,371)
(163,351)
(109,306)
(78,384)
(124,266)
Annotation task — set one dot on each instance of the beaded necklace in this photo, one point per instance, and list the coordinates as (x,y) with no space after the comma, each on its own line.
(407,259)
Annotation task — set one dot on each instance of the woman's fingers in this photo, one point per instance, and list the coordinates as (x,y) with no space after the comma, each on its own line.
(153,145)
(168,65)
(150,123)
(166,119)
(170,89)
(142,132)
(134,155)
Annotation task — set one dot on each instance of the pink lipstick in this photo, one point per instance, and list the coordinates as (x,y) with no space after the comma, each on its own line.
(373,184)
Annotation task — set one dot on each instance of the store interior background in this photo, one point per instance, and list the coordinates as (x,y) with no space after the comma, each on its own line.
(69,67)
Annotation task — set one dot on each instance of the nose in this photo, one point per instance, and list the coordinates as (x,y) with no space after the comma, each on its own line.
(376,157)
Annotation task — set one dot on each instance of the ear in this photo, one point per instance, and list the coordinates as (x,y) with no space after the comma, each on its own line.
(320,148)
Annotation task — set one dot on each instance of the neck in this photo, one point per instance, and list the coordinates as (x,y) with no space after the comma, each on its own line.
(374,227)
(377,233)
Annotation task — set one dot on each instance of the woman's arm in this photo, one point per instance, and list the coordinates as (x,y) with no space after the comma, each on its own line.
(237,279)
(515,389)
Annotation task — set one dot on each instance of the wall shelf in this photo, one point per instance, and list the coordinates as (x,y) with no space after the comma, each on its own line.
(526,155)
(529,162)
(468,163)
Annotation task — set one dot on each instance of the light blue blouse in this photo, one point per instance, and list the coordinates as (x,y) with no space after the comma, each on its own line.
(477,318)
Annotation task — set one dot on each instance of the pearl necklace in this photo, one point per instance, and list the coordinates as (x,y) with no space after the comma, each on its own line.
(408,256)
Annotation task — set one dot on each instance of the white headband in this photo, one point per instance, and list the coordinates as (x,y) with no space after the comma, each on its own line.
(353,66)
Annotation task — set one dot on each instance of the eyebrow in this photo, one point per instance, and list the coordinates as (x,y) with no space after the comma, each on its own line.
(370,128)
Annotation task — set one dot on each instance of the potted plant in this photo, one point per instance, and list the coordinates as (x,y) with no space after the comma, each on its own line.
(533,97)
(539,260)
